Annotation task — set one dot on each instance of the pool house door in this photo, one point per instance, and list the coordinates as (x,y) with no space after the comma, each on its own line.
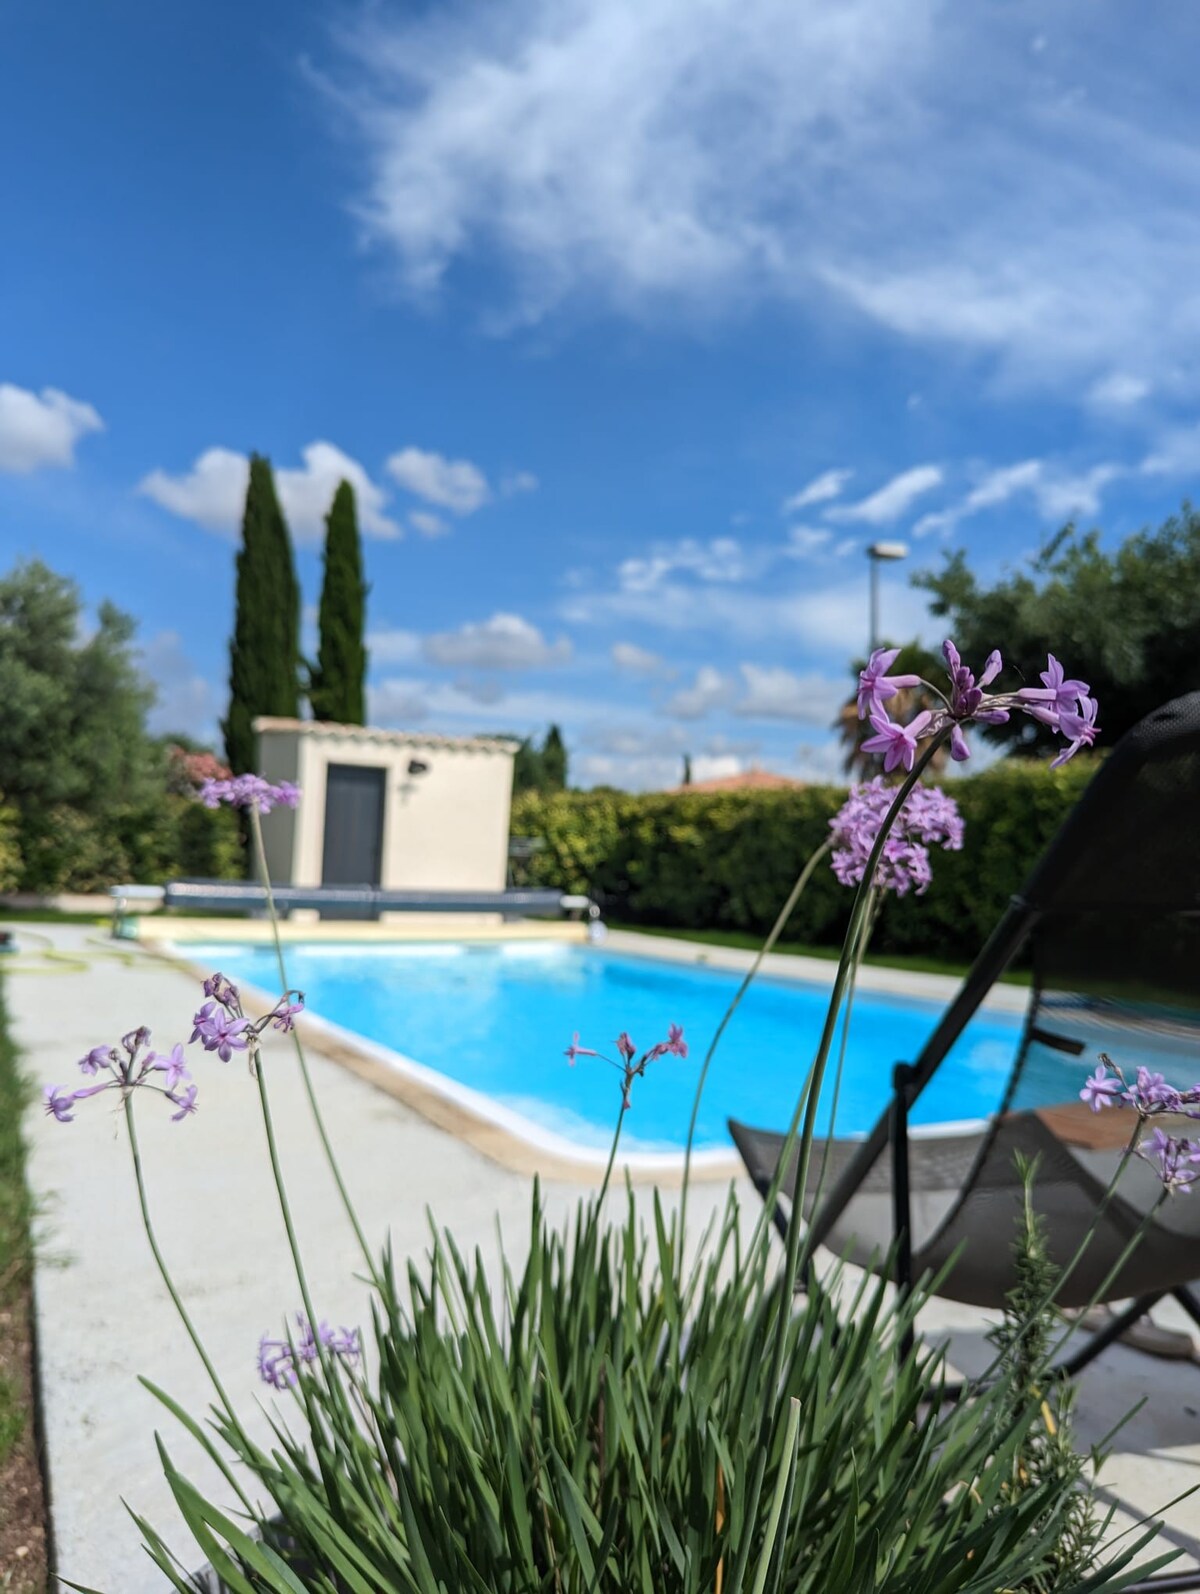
(354,804)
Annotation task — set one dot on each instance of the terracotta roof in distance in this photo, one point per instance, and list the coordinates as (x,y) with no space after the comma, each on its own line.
(752,779)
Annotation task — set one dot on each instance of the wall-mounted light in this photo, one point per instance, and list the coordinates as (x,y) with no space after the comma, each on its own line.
(416,766)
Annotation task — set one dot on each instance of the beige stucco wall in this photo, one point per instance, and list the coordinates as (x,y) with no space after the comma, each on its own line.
(279,759)
(444,830)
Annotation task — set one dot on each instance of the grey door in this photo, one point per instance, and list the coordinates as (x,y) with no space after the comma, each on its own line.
(354,800)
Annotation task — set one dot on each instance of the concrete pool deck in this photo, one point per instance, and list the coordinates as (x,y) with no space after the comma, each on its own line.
(103,1317)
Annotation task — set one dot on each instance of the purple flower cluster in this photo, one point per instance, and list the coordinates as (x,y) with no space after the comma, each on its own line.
(249,791)
(1062,704)
(220,1026)
(1174,1158)
(929,818)
(278,1359)
(627,1067)
(125,1067)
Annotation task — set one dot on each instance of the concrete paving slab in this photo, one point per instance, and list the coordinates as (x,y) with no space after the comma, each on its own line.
(103,1317)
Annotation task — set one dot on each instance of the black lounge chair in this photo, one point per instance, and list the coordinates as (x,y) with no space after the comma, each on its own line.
(1111,917)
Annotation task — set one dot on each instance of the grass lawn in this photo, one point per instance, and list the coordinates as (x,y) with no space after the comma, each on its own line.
(751,943)
(22,1509)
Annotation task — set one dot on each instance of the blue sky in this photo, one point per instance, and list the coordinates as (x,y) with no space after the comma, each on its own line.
(633,323)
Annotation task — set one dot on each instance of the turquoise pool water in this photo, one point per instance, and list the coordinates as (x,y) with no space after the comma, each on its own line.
(497,1018)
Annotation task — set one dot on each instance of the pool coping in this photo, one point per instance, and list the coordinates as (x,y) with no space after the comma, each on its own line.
(500,1133)
(812,971)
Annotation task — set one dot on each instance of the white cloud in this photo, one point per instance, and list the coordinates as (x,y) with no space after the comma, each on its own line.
(389,645)
(709,690)
(454,484)
(828,619)
(772,692)
(804,541)
(40,429)
(723,559)
(185,702)
(1118,390)
(639,661)
(641,153)
(891,500)
(820,490)
(505,642)
(307,493)
(484,689)
(1177,453)
(427,523)
(1057,494)
(519,481)
(1062,497)
(213,492)
(397,704)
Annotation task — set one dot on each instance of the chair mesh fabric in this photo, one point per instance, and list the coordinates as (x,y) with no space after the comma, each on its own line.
(1113,929)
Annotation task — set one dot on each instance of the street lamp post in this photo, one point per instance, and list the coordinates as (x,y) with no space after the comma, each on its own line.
(877,552)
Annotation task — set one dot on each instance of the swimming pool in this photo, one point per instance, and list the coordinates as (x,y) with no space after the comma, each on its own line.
(496,1019)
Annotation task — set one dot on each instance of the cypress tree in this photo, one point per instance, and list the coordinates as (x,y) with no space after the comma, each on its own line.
(554,761)
(264,653)
(337,688)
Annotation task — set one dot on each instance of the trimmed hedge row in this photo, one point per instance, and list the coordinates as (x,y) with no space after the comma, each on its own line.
(692,860)
(64,849)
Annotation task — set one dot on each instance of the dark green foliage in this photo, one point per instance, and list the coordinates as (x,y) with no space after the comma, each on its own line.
(527,768)
(541,769)
(84,786)
(1125,621)
(338,684)
(1026,1340)
(726,860)
(687,769)
(596,1423)
(77,769)
(16,1216)
(264,653)
(73,727)
(554,761)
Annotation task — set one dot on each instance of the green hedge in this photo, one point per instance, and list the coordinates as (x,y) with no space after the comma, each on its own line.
(64,849)
(693,860)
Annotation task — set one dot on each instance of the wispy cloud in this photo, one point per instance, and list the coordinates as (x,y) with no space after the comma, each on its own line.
(723,559)
(1058,494)
(505,642)
(640,154)
(454,484)
(637,660)
(41,429)
(709,690)
(891,500)
(816,620)
(774,693)
(820,490)
(391,645)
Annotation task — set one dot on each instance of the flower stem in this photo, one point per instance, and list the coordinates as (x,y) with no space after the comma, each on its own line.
(806,1107)
(260,859)
(784,915)
(285,1206)
(612,1153)
(164,1273)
